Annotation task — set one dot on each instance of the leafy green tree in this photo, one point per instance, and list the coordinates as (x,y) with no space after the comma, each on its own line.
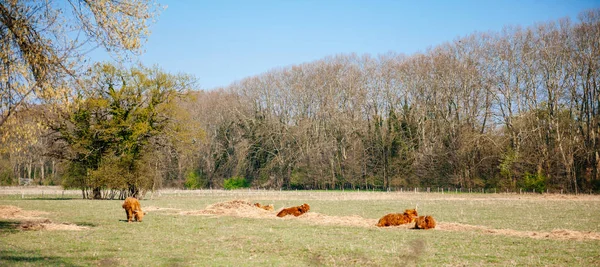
(113,127)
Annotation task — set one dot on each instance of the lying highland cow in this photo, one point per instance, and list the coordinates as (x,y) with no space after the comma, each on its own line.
(296,211)
(425,222)
(394,219)
(267,207)
(133,209)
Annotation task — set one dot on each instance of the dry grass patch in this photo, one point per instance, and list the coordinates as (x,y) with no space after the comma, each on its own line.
(29,220)
(16,213)
(245,209)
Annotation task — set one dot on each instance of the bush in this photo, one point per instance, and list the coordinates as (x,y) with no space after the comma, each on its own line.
(6,178)
(235,183)
(194,180)
(6,175)
(535,182)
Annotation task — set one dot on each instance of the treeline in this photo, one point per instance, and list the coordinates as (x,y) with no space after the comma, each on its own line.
(512,109)
(516,109)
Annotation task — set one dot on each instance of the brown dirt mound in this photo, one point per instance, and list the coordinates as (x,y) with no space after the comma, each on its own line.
(560,234)
(30,220)
(239,208)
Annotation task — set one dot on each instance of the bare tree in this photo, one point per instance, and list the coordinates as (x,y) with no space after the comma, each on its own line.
(43,44)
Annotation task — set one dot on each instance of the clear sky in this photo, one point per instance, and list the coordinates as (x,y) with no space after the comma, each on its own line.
(222,41)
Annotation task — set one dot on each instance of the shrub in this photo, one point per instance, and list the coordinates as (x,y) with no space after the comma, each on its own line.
(235,183)
(535,182)
(194,180)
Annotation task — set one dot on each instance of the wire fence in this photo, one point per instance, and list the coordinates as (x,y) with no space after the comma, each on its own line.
(59,192)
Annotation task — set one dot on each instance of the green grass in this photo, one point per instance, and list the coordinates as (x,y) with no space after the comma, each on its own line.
(166,238)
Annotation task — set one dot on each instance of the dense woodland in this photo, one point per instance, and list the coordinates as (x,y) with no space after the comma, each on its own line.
(509,110)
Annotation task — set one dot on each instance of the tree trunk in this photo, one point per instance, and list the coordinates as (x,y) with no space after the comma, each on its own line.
(29,169)
(97,193)
(42,173)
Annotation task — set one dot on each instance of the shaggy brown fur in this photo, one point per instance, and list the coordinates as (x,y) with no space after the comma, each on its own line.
(267,207)
(425,222)
(296,211)
(394,219)
(133,209)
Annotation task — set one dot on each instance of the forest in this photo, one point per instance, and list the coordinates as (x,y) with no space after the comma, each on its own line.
(509,110)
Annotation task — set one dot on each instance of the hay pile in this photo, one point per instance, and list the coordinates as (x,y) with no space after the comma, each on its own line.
(30,220)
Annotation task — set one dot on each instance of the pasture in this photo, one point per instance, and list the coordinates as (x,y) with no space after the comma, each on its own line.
(211,228)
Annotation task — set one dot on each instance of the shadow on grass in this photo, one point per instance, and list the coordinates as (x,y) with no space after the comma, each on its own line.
(9,227)
(131,221)
(51,198)
(88,224)
(12,257)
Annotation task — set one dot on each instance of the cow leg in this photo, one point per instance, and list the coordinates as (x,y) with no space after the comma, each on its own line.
(129,215)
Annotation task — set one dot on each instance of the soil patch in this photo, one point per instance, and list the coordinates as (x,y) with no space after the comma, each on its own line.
(30,220)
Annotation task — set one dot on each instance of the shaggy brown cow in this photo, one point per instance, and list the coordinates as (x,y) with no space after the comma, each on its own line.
(296,211)
(394,219)
(267,207)
(133,209)
(425,222)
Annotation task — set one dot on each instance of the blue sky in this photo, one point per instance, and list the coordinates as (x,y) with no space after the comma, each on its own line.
(222,41)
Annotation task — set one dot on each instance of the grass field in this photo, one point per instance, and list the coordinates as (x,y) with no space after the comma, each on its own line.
(185,228)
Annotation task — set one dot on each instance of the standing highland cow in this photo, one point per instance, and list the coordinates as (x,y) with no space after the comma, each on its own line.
(133,209)
(296,211)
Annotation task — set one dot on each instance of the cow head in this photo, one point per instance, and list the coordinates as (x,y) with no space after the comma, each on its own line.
(305,207)
(138,215)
